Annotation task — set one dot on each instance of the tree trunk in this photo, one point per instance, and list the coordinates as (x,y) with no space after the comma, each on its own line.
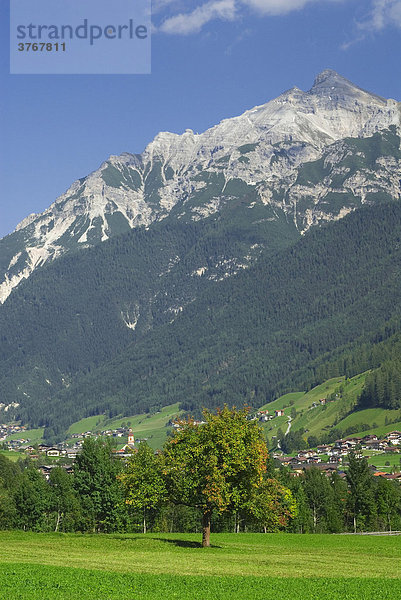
(58,521)
(144,522)
(354,523)
(206,529)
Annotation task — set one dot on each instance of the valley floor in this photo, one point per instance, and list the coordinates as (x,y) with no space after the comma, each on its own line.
(251,566)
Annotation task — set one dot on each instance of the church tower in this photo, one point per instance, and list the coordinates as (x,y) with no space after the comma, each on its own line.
(131,439)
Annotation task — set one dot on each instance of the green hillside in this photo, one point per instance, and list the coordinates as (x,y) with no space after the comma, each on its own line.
(14,456)
(147,421)
(33,435)
(341,393)
(94,424)
(152,427)
(339,412)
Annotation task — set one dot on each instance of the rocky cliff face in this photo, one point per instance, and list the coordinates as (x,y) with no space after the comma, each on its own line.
(313,155)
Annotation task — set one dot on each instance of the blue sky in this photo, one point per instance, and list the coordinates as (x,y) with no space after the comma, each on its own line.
(210,60)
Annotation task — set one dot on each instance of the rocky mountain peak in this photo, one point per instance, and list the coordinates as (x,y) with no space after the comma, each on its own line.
(258,154)
(332,85)
(328,77)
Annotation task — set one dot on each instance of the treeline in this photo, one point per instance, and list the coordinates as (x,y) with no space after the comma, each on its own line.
(383,387)
(93,499)
(358,502)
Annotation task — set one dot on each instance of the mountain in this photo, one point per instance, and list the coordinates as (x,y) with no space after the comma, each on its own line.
(291,157)
(212,268)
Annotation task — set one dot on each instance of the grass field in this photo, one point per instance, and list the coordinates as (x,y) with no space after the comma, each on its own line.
(20,582)
(240,566)
(379,460)
(94,423)
(14,456)
(149,426)
(34,435)
(373,415)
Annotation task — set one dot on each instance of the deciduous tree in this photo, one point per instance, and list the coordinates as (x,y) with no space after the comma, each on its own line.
(216,465)
(95,480)
(143,481)
(272,506)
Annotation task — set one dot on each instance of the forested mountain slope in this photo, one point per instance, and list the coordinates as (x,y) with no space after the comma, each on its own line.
(327,304)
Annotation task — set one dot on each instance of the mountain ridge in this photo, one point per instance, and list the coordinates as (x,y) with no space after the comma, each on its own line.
(194,174)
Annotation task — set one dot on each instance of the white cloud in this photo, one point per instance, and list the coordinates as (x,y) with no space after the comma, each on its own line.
(182,20)
(194,19)
(160,5)
(193,22)
(384,13)
(277,7)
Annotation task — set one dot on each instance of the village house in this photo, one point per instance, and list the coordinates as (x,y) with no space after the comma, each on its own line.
(326,468)
(72,453)
(263,416)
(338,450)
(352,442)
(323,449)
(392,476)
(279,413)
(373,444)
(47,469)
(306,453)
(53,452)
(391,449)
(370,438)
(394,437)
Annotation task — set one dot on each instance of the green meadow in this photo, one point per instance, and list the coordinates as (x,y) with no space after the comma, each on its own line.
(153,427)
(11,455)
(240,566)
(34,435)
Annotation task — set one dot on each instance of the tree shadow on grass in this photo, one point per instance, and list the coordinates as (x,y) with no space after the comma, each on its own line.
(184,543)
(123,537)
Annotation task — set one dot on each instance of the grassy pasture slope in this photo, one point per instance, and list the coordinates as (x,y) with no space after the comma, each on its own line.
(94,423)
(254,566)
(316,421)
(14,456)
(148,426)
(34,435)
(334,414)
